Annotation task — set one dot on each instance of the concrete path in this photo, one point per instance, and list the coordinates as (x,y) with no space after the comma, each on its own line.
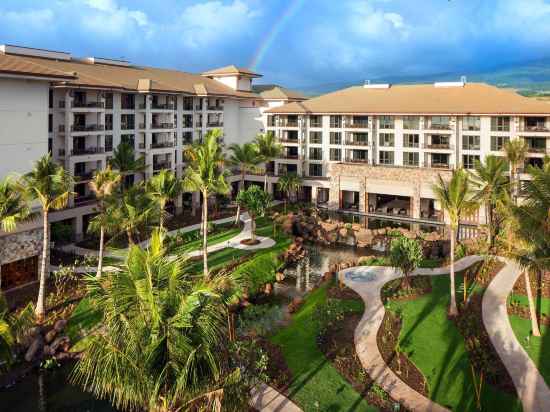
(264,398)
(367,281)
(531,388)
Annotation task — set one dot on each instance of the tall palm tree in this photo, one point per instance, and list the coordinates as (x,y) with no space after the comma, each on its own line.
(457,199)
(269,149)
(246,157)
(206,175)
(51,185)
(124,160)
(162,188)
(13,208)
(490,183)
(161,337)
(289,184)
(533,230)
(515,150)
(103,185)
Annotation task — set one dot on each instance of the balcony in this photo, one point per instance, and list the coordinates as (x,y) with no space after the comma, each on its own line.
(290,156)
(438,126)
(440,166)
(162,126)
(356,160)
(215,108)
(289,123)
(536,149)
(83,176)
(87,105)
(287,140)
(87,151)
(161,145)
(87,128)
(84,200)
(108,126)
(187,141)
(162,165)
(163,106)
(214,124)
(438,146)
(353,142)
(128,106)
(127,126)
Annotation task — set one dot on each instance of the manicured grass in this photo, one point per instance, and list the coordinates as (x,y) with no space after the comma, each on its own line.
(536,347)
(219,237)
(434,344)
(542,304)
(316,385)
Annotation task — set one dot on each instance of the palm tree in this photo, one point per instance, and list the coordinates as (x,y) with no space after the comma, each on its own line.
(124,160)
(13,208)
(456,198)
(269,149)
(516,151)
(246,157)
(51,185)
(162,188)
(532,229)
(162,343)
(12,329)
(490,184)
(102,185)
(257,201)
(289,184)
(205,174)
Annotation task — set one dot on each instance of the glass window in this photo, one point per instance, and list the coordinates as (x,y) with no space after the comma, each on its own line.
(471,123)
(335,138)
(440,122)
(500,124)
(315,121)
(315,169)
(469,161)
(335,155)
(315,137)
(315,153)
(470,142)
(411,159)
(335,121)
(497,142)
(271,121)
(387,139)
(386,122)
(411,140)
(385,158)
(411,122)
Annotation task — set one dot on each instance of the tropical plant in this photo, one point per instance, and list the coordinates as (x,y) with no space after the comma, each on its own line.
(532,230)
(269,149)
(206,175)
(162,343)
(256,201)
(246,158)
(124,160)
(103,185)
(51,185)
(457,199)
(162,188)
(289,184)
(515,150)
(490,182)
(13,208)
(12,329)
(405,254)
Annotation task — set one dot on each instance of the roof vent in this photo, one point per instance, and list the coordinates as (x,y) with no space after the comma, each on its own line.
(450,84)
(368,85)
(112,62)
(29,51)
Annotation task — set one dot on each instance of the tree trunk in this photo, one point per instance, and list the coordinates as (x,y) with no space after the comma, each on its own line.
(489,213)
(205,234)
(0,276)
(130,237)
(100,256)
(452,308)
(241,185)
(532,311)
(253,228)
(265,181)
(161,217)
(40,310)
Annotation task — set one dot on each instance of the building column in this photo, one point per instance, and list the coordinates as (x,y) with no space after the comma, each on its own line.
(79,227)
(314,193)
(196,202)
(178,203)
(415,202)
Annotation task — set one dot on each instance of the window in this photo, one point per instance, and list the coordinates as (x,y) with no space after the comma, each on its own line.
(335,155)
(335,138)
(128,101)
(335,121)
(50,123)
(497,142)
(470,143)
(411,159)
(108,143)
(535,124)
(411,140)
(315,153)
(385,158)
(271,121)
(315,137)
(386,139)
(108,100)
(500,124)
(360,121)
(440,122)
(109,121)
(316,121)
(315,169)
(386,122)
(469,161)
(471,123)
(50,98)
(358,139)
(411,122)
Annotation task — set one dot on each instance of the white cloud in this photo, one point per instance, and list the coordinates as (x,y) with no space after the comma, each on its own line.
(40,18)
(103,5)
(366,20)
(107,18)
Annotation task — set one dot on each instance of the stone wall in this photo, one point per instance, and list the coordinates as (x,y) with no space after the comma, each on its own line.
(21,245)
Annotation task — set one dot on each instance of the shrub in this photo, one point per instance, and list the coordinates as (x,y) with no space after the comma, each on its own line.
(259,319)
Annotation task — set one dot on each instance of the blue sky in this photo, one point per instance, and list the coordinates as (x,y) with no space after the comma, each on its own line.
(312,41)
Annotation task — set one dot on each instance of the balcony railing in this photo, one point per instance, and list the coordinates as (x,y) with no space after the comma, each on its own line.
(356,160)
(289,123)
(87,151)
(215,108)
(162,125)
(214,124)
(88,105)
(163,106)
(438,126)
(87,127)
(533,149)
(357,125)
(128,106)
(187,141)
(438,146)
(534,128)
(108,126)
(162,165)
(353,142)
(289,156)
(161,145)
(82,200)
(84,175)
(128,126)
(287,140)
(440,166)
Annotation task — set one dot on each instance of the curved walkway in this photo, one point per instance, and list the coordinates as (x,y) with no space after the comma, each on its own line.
(367,281)
(531,388)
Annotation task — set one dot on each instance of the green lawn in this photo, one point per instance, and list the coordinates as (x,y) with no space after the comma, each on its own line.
(436,347)
(542,304)
(536,347)
(219,237)
(316,385)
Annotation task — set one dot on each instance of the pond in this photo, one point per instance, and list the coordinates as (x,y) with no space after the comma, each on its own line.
(49,391)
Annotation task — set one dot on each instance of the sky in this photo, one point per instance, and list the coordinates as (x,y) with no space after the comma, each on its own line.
(296,43)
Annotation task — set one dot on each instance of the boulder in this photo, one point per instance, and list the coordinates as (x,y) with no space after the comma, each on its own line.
(364,238)
(35,348)
(59,342)
(343,232)
(328,226)
(50,336)
(279,276)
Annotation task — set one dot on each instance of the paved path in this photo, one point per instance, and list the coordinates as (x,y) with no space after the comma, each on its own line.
(367,281)
(264,398)
(531,388)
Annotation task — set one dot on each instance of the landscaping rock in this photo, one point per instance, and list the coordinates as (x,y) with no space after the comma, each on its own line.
(50,336)
(35,348)
(60,325)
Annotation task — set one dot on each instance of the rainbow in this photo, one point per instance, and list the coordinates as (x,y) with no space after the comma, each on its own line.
(278,26)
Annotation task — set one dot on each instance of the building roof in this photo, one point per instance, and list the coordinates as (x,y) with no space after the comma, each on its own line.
(231,70)
(83,73)
(275,92)
(471,98)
